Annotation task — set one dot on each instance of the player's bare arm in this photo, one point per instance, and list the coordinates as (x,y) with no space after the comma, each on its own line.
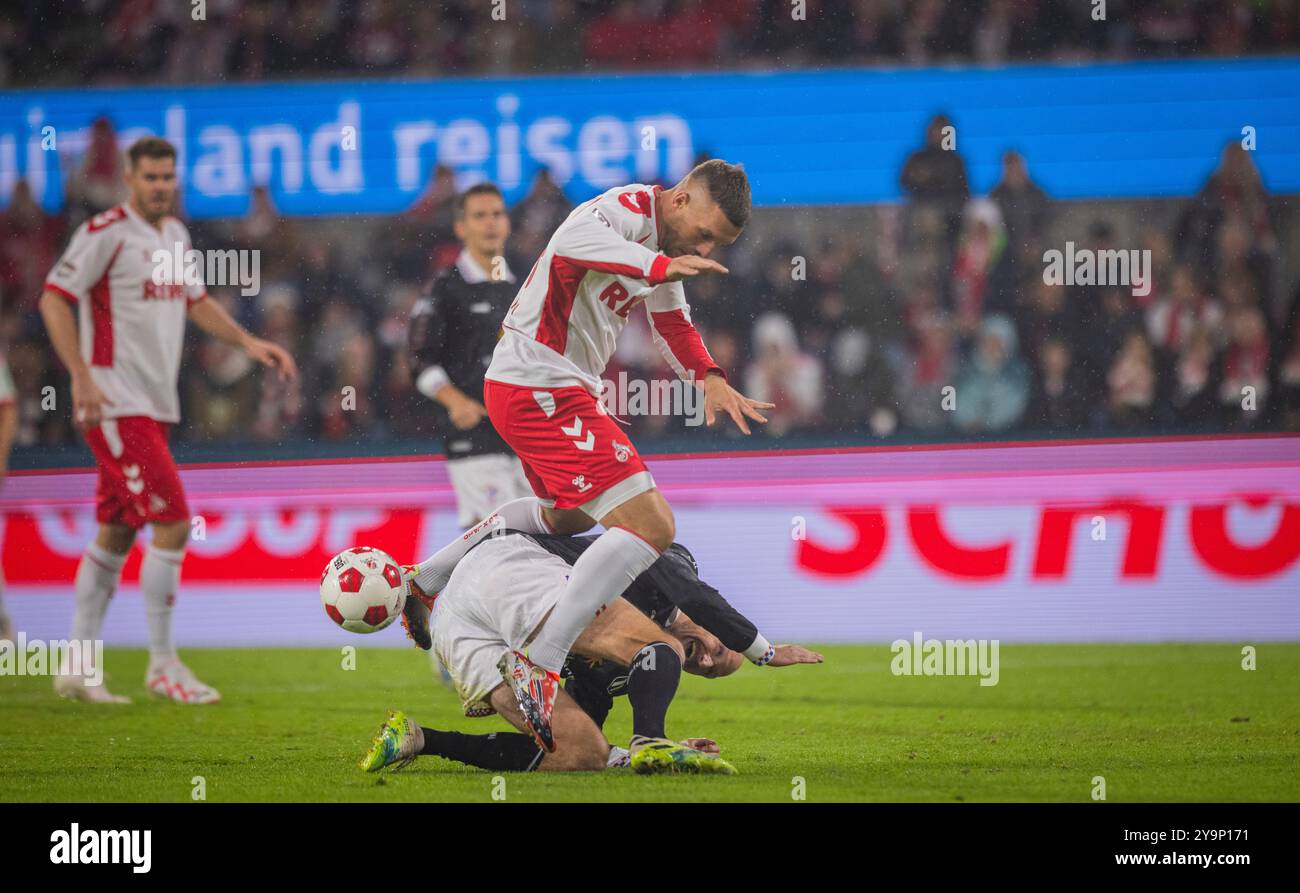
(61,324)
(212,318)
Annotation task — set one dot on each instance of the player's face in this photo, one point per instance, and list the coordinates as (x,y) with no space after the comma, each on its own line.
(485,226)
(153,186)
(705,653)
(696,225)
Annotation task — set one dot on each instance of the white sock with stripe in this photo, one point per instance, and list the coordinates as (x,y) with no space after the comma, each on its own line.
(160,577)
(600,575)
(523,514)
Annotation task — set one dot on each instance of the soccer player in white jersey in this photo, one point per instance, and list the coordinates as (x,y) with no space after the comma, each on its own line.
(630,246)
(119,333)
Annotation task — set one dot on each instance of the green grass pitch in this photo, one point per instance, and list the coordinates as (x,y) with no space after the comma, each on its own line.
(1158,722)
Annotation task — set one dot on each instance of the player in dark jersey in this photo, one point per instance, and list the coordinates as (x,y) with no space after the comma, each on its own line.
(714,635)
(452,335)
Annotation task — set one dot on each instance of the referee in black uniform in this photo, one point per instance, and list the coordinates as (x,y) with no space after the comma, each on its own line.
(452,335)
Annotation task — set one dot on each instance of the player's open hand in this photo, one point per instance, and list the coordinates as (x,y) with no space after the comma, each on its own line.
(789,655)
(88,402)
(704,745)
(689,265)
(273,356)
(720,396)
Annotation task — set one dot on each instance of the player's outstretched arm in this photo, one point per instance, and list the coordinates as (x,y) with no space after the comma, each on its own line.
(720,396)
(212,318)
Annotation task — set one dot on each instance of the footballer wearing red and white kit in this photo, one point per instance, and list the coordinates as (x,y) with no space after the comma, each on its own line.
(119,332)
(630,246)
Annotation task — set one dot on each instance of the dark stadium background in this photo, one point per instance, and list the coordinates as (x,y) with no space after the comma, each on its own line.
(897,294)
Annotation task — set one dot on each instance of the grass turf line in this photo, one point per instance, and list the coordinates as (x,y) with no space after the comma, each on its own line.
(1158,722)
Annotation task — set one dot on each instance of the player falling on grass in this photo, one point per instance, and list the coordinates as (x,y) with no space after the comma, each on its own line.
(483,608)
(630,246)
(119,334)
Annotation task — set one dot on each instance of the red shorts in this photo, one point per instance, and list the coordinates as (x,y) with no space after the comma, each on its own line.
(138,483)
(574,455)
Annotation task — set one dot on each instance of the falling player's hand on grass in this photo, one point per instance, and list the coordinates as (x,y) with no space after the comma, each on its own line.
(273,356)
(704,745)
(87,402)
(789,655)
(689,265)
(718,395)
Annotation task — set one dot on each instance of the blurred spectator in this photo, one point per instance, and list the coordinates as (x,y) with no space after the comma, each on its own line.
(781,373)
(934,180)
(137,40)
(264,226)
(1058,402)
(862,389)
(96,183)
(1244,393)
(30,243)
(979,253)
(1025,214)
(536,217)
(1172,320)
(1195,381)
(1234,190)
(1132,383)
(926,370)
(993,388)
(1287,363)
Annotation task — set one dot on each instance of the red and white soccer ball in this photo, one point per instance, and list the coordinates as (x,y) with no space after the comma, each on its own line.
(362,589)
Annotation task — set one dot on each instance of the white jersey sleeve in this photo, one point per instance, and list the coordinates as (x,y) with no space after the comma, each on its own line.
(85,259)
(603,236)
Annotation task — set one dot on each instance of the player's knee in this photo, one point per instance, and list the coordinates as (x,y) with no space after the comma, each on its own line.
(115,538)
(659,530)
(172,535)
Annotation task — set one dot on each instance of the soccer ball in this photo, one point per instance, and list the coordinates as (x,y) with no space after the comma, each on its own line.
(362,589)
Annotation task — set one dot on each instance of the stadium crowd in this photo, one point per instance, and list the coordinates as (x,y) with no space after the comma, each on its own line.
(48,42)
(848,333)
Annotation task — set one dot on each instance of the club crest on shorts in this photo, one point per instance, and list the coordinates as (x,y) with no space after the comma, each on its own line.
(622,451)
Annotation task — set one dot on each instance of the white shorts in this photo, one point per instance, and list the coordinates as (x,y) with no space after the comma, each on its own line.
(484,483)
(496,599)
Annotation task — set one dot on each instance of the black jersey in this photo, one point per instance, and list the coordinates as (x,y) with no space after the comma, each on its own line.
(455,329)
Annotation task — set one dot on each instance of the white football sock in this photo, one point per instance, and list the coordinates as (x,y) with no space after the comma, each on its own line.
(96,580)
(523,514)
(600,575)
(160,577)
